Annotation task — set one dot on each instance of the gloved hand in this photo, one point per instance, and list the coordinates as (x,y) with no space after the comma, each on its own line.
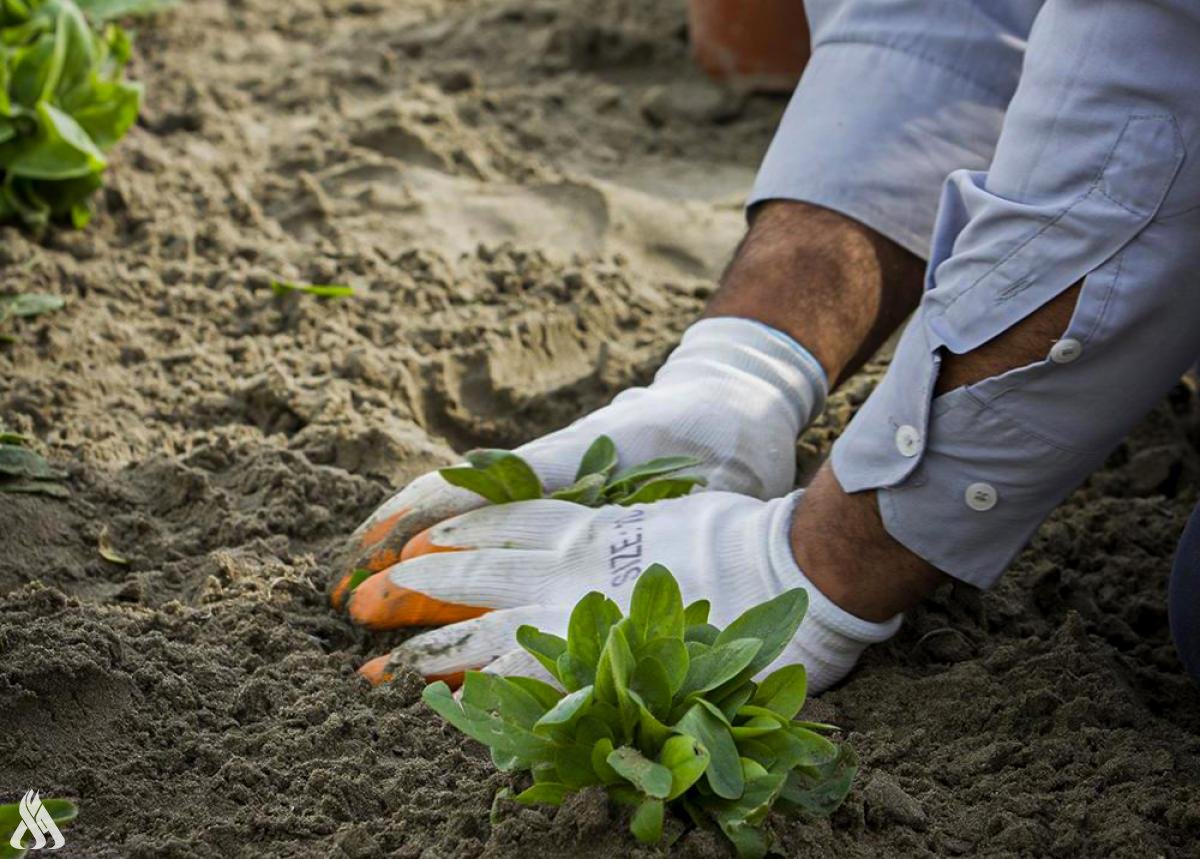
(489,571)
(735,394)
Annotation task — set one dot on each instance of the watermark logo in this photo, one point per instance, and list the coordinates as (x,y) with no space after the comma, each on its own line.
(37,822)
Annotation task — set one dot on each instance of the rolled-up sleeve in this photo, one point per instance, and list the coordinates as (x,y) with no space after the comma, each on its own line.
(897,95)
(1094,179)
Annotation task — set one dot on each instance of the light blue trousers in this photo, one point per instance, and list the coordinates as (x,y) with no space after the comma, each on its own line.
(1020,146)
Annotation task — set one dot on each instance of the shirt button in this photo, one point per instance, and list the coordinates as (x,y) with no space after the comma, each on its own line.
(1065,351)
(908,440)
(981,497)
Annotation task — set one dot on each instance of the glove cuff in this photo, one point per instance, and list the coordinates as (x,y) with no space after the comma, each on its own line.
(759,350)
(843,628)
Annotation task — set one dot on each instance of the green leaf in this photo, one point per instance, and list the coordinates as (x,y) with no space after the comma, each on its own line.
(544,793)
(672,655)
(477,481)
(321,290)
(656,606)
(521,746)
(614,668)
(573,766)
(573,673)
(600,752)
(660,490)
(17,461)
(724,772)
(587,630)
(783,690)
(703,633)
(649,680)
(599,459)
(566,712)
(29,304)
(734,698)
(820,790)
(109,10)
(547,696)
(542,646)
(495,693)
(61,811)
(774,622)
(357,578)
(108,120)
(687,760)
(650,778)
(696,613)
(61,150)
(34,487)
(623,480)
(720,664)
(647,822)
(754,727)
(587,491)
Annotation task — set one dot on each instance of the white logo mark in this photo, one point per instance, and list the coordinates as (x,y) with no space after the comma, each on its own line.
(35,820)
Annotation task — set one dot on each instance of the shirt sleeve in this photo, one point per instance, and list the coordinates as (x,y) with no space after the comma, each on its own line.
(1091,180)
(895,96)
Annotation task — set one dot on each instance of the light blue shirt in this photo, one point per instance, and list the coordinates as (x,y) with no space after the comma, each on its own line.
(1064,137)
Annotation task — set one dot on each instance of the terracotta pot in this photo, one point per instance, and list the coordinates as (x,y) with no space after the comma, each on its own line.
(760,44)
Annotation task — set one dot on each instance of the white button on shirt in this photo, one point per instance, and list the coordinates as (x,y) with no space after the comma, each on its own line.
(1065,351)
(981,497)
(908,440)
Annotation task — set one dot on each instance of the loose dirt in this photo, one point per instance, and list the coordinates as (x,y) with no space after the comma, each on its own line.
(535,197)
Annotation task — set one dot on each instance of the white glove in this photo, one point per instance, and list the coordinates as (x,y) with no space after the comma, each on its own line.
(490,571)
(735,393)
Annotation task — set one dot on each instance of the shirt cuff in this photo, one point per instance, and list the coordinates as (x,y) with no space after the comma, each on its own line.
(879,160)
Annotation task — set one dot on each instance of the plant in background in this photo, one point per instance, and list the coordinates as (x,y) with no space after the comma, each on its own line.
(64,102)
(32,830)
(501,476)
(22,470)
(660,709)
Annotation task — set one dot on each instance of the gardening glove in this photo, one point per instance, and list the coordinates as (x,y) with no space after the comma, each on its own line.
(489,571)
(735,394)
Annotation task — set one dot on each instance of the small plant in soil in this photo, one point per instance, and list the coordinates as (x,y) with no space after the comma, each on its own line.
(501,476)
(59,810)
(64,102)
(22,470)
(660,709)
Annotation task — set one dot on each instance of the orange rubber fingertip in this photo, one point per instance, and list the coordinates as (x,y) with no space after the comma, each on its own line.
(379,530)
(422,544)
(379,604)
(375,670)
(453,679)
(337,597)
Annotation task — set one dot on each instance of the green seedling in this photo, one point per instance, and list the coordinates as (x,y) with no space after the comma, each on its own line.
(23,470)
(26,304)
(321,290)
(59,810)
(64,102)
(501,476)
(660,709)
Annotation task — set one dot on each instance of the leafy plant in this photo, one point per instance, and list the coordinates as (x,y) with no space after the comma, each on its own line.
(660,709)
(23,470)
(64,102)
(60,811)
(321,290)
(501,476)
(26,304)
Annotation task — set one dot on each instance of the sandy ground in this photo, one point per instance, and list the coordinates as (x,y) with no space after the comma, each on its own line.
(536,198)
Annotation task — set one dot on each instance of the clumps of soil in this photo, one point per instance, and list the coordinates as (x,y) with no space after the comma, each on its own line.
(533,200)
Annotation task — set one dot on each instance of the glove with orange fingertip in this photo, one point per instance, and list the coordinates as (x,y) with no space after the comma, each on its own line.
(481,575)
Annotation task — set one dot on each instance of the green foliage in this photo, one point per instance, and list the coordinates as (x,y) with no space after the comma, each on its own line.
(64,102)
(660,709)
(22,470)
(321,290)
(501,476)
(26,304)
(60,810)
